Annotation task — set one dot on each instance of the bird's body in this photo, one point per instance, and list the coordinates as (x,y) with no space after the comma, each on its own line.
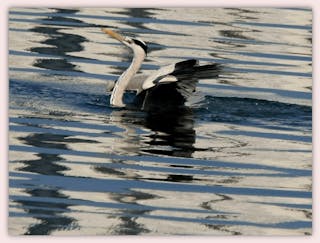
(169,86)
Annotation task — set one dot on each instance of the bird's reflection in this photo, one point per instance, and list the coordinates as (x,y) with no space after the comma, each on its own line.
(171,132)
(174,129)
(165,133)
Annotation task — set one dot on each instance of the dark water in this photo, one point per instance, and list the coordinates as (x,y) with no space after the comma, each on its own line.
(236,160)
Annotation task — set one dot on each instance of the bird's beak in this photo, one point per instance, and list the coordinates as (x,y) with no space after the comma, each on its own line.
(113,34)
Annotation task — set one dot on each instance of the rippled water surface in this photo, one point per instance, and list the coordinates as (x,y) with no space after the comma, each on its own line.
(236,160)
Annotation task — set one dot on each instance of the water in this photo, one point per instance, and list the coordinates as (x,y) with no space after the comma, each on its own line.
(238,160)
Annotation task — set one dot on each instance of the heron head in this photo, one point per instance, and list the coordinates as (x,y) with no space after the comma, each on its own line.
(132,43)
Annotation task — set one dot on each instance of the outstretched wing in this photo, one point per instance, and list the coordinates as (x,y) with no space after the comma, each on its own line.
(172,85)
(183,76)
(166,74)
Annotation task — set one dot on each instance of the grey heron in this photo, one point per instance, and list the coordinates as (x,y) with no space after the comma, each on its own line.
(169,86)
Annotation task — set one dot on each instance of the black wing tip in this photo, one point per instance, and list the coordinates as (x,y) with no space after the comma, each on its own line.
(185,64)
(210,66)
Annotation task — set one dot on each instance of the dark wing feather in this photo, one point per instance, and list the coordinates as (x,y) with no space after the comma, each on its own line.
(188,76)
(185,65)
(184,82)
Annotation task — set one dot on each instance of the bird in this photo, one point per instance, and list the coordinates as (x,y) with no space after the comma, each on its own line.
(166,88)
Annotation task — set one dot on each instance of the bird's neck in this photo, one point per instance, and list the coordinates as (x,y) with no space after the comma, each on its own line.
(123,81)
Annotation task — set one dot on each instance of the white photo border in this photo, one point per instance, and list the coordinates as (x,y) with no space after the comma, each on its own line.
(4,8)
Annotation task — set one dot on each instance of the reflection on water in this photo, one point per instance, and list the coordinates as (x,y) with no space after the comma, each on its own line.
(174,129)
(58,44)
(235,160)
(171,133)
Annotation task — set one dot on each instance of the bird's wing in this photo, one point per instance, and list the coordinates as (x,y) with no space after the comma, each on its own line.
(136,83)
(174,84)
(167,73)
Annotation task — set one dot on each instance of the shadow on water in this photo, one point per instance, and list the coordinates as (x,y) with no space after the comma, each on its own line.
(48,213)
(247,110)
(137,13)
(60,44)
(128,224)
